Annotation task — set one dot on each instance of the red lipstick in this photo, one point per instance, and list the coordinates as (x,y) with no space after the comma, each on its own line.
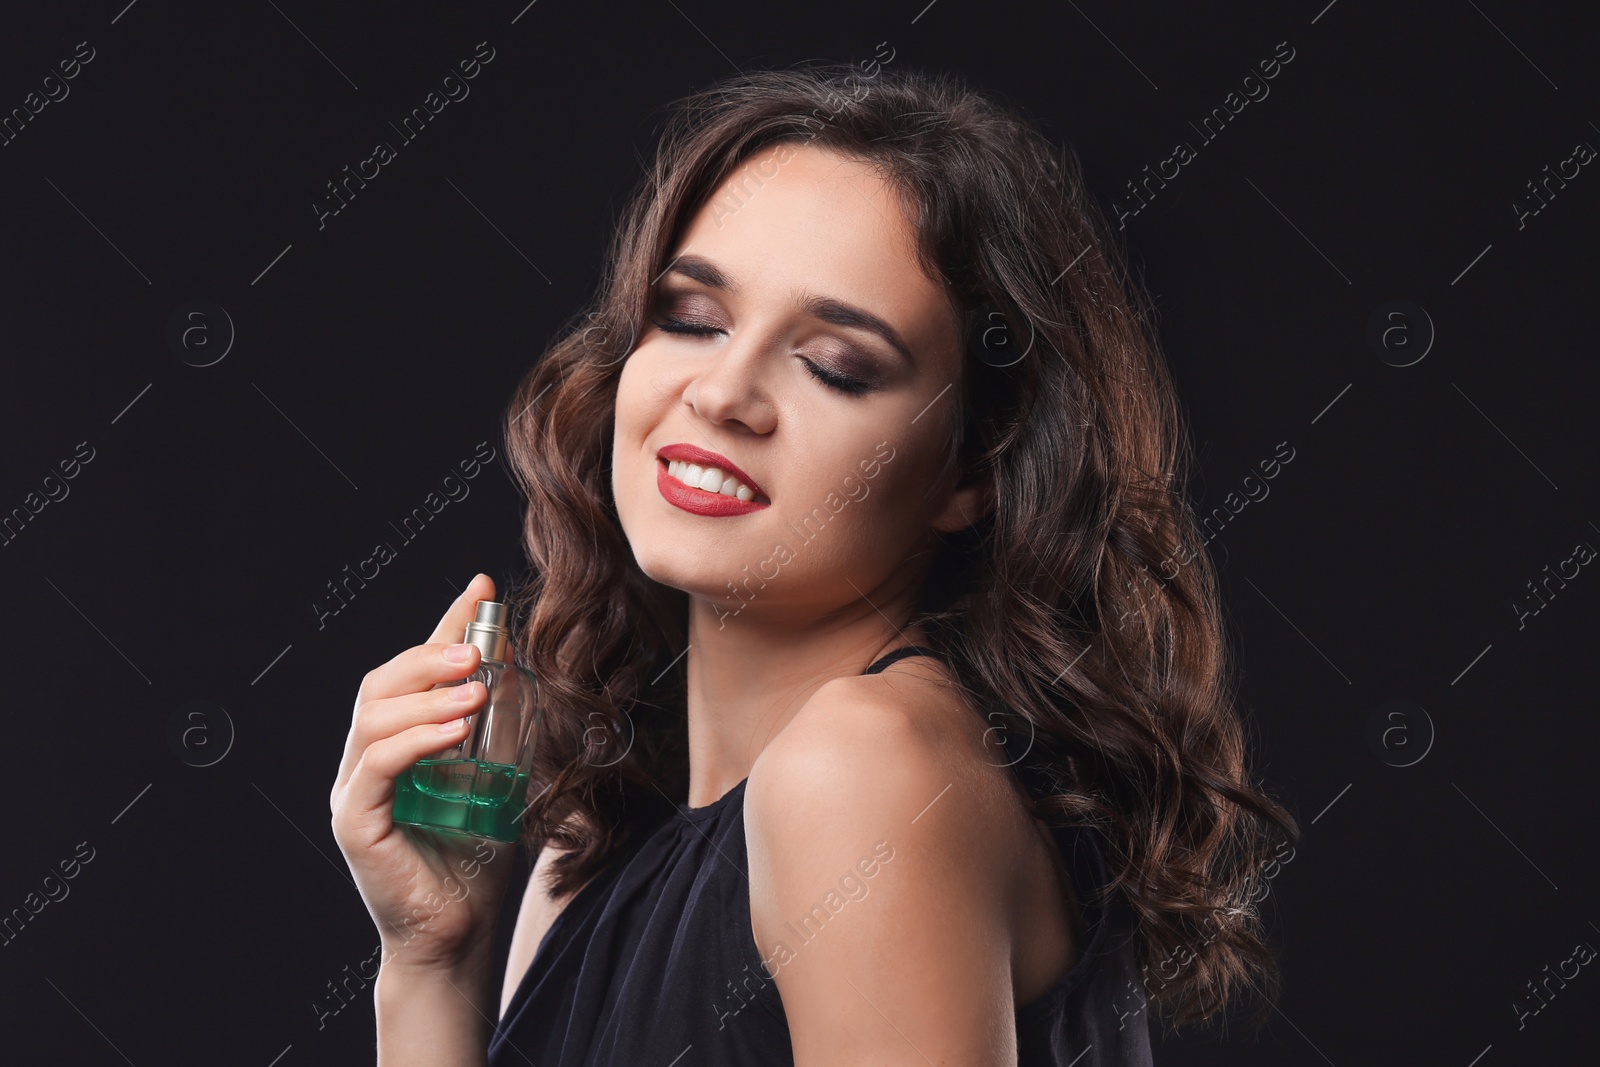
(700,501)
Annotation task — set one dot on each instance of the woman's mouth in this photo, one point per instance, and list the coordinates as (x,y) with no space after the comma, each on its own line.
(684,484)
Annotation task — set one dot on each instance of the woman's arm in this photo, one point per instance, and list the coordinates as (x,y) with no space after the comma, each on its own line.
(423,1011)
(432,995)
(880,886)
(434,1016)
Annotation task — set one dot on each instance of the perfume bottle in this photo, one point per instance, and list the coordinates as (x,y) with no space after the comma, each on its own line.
(479,786)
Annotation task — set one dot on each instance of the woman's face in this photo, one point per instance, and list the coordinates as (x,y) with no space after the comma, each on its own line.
(822,364)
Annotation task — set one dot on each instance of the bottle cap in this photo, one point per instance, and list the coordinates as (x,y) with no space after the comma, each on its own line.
(488,631)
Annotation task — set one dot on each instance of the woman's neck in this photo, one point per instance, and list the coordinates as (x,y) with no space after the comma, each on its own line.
(748,677)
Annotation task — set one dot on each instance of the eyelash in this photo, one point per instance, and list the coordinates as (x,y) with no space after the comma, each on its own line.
(844,384)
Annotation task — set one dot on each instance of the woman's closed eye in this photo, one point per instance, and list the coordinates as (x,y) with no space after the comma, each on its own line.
(672,325)
(844,383)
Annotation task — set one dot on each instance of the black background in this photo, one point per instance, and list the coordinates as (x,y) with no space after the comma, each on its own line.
(374,354)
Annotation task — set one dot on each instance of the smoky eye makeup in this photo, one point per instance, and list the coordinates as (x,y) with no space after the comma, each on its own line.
(848,363)
(673,311)
(836,363)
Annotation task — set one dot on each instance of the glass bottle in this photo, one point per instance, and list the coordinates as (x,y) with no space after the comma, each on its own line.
(479,786)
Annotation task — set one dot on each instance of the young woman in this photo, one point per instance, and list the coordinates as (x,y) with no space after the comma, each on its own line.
(886,700)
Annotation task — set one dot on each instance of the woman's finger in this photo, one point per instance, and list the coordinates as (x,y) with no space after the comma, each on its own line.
(415,670)
(418,668)
(452,627)
(371,783)
(408,681)
(385,718)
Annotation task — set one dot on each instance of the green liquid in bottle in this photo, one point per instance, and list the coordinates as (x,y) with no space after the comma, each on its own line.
(462,796)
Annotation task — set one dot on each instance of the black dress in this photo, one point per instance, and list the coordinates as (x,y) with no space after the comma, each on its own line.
(653,963)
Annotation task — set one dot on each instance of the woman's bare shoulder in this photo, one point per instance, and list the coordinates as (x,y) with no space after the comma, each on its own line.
(903,760)
(910,719)
(901,752)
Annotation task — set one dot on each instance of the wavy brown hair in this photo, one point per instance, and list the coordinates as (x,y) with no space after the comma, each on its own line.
(1083,608)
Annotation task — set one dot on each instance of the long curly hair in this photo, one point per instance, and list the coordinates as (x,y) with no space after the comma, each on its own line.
(1082,610)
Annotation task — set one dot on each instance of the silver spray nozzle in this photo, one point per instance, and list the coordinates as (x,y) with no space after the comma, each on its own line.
(489,632)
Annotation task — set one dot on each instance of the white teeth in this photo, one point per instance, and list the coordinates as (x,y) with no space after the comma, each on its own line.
(709,479)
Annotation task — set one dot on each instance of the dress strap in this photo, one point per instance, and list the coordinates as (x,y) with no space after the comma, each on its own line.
(901,653)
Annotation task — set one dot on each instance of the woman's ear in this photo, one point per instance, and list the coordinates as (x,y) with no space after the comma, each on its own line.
(968,502)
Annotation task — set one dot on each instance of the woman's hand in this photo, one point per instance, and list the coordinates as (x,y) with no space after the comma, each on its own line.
(435,897)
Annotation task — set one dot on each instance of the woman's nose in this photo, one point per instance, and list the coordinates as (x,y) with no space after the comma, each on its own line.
(733,385)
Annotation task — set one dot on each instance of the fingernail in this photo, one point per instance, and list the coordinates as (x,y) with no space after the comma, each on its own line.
(463,693)
(458,653)
(452,726)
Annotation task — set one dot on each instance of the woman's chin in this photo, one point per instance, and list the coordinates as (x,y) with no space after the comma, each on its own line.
(706,580)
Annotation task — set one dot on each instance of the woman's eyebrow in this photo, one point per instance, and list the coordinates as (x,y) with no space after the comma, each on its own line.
(841,314)
(702,270)
(828,309)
